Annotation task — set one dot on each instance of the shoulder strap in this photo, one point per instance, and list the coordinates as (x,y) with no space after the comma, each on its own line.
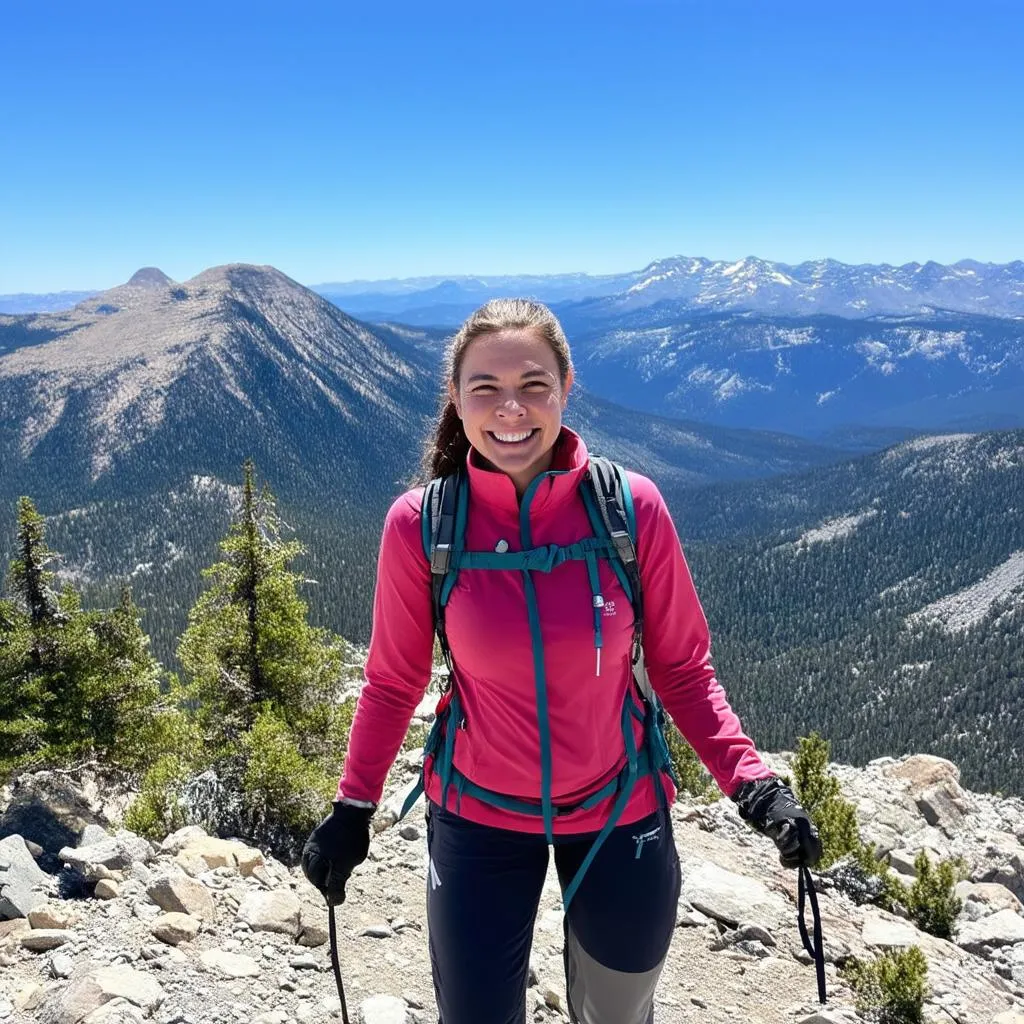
(439,520)
(609,488)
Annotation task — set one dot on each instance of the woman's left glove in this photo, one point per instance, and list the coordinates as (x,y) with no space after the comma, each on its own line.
(770,806)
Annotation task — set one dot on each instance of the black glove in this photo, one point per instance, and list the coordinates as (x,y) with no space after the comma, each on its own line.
(770,806)
(335,847)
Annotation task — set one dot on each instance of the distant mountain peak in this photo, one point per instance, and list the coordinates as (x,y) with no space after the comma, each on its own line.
(150,277)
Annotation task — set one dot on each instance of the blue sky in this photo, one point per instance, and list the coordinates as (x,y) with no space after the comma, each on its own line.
(338,142)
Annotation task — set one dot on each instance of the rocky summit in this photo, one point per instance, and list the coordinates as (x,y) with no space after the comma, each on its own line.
(198,929)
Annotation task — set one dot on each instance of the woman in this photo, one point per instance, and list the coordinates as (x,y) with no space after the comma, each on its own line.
(542,672)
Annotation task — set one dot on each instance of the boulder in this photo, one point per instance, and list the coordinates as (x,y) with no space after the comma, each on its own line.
(183,895)
(42,940)
(277,911)
(983,898)
(383,1010)
(23,883)
(117,1011)
(175,928)
(886,930)
(49,809)
(51,915)
(944,806)
(230,965)
(313,929)
(222,853)
(922,771)
(732,898)
(115,853)
(1003,928)
(93,986)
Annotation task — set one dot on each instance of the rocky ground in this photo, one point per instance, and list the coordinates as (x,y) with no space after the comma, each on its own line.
(198,930)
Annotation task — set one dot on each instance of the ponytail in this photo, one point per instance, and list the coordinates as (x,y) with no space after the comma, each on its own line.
(447,445)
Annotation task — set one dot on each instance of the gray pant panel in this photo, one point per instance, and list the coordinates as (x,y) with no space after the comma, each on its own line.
(601,995)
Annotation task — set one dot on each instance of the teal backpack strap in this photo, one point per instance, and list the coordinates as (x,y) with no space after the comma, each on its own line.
(609,503)
(443,524)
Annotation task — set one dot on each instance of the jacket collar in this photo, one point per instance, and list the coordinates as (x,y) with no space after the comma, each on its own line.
(562,481)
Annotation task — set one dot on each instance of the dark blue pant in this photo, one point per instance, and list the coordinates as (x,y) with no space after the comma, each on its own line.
(483,889)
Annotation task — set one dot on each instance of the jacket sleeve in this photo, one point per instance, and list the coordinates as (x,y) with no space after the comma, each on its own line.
(677,648)
(399,662)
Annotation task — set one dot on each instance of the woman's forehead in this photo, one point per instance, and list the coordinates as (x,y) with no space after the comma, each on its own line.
(508,352)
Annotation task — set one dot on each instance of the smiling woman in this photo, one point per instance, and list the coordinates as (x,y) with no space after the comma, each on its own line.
(548,734)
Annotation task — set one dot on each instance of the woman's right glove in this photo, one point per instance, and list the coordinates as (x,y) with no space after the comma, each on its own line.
(337,845)
(772,808)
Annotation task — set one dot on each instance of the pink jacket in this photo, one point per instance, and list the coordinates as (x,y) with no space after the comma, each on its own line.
(499,747)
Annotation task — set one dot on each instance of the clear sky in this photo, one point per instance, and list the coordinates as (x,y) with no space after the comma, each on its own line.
(345,139)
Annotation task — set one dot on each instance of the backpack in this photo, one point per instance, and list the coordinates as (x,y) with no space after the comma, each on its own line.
(607,497)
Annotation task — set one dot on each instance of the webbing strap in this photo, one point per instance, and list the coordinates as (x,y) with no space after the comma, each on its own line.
(542,559)
(333,932)
(632,765)
(815,949)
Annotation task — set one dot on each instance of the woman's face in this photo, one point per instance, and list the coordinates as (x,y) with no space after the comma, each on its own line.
(510,400)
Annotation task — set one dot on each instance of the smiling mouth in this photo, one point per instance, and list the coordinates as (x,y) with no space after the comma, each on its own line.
(512,439)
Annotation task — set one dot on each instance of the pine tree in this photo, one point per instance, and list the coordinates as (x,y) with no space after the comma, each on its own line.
(264,682)
(74,684)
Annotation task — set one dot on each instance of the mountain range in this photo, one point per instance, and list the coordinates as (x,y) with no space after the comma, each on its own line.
(696,284)
(699,284)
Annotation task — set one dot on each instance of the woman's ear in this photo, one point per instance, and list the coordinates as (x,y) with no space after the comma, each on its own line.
(453,394)
(566,388)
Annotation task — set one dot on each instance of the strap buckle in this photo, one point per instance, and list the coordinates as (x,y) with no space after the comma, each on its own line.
(440,559)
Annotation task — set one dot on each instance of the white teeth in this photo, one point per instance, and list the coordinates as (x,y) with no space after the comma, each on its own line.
(510,438)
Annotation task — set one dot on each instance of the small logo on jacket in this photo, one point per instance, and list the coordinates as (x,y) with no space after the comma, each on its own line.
(646,837)
(609,608)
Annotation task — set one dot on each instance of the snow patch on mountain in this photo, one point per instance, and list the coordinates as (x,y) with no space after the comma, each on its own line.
(967,607)
(834,529)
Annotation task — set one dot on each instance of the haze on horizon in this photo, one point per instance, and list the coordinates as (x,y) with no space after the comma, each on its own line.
(349,144)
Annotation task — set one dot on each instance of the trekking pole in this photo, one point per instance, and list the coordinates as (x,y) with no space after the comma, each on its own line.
(815,949)
(333,930)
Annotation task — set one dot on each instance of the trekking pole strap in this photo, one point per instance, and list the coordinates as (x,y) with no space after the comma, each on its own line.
(333,929)
(815,949)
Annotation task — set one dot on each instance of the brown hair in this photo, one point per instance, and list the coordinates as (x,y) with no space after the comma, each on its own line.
(447,445)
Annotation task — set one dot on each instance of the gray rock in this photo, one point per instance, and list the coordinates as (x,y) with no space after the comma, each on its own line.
(230,965)
(42,940)
(50,915)
(277,911)
(174,928)
(94,986)
(117,1011)
(754,933)
(49,809)
(885,930)
(944,806)
(100,860)
(93,834)
(61,965)
(22,881)
(1003,928)
(313,929)
(383,1010)
(106,889)
(732,898)
(984,898)
(183,895)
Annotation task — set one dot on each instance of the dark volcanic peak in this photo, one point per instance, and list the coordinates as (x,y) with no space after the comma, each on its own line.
(150,277)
